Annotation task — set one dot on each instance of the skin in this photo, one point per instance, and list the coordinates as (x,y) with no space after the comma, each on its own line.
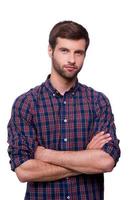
(39,170)
(90,161)
(67,61)
(50,165)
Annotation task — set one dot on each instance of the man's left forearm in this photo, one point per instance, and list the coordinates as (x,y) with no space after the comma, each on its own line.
(86,161)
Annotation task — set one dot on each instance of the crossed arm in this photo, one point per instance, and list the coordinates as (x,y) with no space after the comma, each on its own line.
(51,165)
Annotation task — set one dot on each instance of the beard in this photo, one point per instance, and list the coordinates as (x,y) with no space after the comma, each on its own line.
(63,72)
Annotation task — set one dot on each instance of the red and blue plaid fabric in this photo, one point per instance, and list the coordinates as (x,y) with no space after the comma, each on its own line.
(44,117)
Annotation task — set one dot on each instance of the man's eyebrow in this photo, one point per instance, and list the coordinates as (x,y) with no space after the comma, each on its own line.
(80,51)
(77,50)
(63,48)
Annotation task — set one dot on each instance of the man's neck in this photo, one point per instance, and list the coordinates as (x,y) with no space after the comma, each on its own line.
(61,84)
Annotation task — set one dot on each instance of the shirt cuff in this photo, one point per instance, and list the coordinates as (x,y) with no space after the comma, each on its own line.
(113,150)
(18,157)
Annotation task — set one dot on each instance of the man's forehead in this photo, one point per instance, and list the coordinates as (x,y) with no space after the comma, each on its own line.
(69,43)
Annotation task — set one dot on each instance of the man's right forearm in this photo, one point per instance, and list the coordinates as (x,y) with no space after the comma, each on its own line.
(35,171)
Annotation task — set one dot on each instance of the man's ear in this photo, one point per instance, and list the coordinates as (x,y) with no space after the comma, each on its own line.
(50,51)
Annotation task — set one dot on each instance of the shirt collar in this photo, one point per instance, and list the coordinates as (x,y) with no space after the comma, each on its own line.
(55,92)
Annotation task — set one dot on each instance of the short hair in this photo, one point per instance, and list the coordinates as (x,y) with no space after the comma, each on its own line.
(68,30)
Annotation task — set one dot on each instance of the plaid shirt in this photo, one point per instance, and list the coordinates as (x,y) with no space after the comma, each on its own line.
(44,117)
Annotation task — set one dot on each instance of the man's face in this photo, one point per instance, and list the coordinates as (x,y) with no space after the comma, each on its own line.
(67,57)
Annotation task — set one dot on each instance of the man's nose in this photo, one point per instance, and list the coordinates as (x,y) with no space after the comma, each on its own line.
(71,59)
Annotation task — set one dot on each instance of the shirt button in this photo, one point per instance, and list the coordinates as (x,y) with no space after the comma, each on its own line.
(68,197)
(65,102)
(53,94)
(65,120)
(72,93)
(65,139)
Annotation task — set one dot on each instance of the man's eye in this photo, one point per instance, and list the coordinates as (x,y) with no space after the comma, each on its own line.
(80,53)
(64,50)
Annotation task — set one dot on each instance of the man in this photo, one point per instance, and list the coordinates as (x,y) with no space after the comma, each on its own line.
(61,134)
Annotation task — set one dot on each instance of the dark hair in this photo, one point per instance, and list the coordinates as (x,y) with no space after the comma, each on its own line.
(68,30)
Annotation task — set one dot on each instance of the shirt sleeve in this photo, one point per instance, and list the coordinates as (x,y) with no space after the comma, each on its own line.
(21,133)
(104,121)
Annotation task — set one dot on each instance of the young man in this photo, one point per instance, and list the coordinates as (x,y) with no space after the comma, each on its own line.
(61,134)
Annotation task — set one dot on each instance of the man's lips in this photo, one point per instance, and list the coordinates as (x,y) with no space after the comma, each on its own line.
(70,68)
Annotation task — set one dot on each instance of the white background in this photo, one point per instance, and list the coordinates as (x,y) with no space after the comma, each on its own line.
(24,63)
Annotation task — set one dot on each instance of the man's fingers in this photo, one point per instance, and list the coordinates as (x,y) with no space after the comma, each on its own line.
(101,136)
(99,140)
(104,142)
(98,144)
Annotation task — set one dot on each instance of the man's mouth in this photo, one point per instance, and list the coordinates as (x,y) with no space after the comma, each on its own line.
(70,67)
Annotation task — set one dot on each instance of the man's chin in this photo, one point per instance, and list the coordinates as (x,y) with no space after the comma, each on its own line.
(69,76)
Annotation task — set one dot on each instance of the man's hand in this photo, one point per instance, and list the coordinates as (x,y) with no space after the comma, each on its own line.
(89,161)
(99,140)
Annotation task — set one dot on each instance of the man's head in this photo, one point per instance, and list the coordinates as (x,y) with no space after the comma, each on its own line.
(68,42)
(68,30)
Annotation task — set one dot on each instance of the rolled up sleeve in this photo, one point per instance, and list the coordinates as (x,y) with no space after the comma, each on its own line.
(21,132)
(104,121)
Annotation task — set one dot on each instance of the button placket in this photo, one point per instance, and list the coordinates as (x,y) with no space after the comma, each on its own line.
(65,120)
(64,102)
(65,139)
